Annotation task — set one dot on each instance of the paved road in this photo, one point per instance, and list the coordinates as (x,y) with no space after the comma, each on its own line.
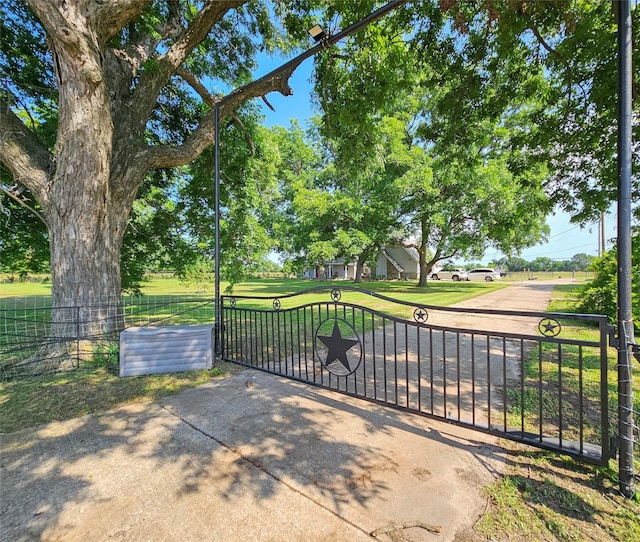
(249,457)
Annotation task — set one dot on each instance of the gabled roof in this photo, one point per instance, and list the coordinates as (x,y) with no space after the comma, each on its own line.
(392,261)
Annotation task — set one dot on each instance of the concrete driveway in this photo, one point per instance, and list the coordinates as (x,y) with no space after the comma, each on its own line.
(249,457)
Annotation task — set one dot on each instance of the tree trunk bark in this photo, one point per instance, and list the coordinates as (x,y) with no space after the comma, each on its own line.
(422,280)
(86,225)
(422,253)
(359,267)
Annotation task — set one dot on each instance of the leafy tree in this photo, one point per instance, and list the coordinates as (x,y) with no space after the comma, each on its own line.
(298,163)
(473,183)
(566,53)
(600,295)
(544,71)
(513,263)
(580,262)
(463,208)
(368,183)
(542,263)
(24,246)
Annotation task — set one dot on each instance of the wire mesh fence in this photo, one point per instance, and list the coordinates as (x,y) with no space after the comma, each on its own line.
(37,338)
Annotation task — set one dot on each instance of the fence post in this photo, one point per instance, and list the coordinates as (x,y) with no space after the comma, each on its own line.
(77,337)
(625,322)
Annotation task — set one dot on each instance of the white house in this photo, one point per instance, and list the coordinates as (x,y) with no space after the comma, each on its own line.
(399,262)
(336,269)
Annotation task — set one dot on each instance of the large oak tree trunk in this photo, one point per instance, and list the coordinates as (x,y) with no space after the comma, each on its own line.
(85,227)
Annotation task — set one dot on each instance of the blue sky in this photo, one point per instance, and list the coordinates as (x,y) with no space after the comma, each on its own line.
(565,239)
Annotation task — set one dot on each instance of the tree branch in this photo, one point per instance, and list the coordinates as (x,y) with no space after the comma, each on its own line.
(196,85)
(108,18)
(562,60)
(277,80)
(22,202)
(152,81)
(161,156)
(23,155)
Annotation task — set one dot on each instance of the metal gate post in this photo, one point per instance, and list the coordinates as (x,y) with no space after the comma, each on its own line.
(625,322)
(217,325)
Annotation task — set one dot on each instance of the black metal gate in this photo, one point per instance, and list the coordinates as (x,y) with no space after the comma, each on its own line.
(544,385)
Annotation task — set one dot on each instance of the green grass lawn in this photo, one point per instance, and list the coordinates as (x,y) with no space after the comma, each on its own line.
(436,292)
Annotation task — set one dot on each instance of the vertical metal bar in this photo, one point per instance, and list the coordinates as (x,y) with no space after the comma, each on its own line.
(321,367)
(285,340)
(297,342)
(234,333)
(257,338)
(580,400)
(473,378)
(267,343)
(238,330)
(504,383)
(238,333)
(625,322)
(384,356)
(406,361)
(560,410)
(373,351)
(431,366)
(604,393)
(278,327)
(395,362)
(252,337)
(306,345)
(364,355)
(488,382)
(238,315)
(313,342)
(355,373)
(458,370)
(288,341)
(216,167)
(242,318)
(419,363)
(274,341)
(522,387)
(222,317)
(444,372)
(540,391)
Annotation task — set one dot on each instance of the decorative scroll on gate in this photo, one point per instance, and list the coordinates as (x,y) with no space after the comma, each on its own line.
(535,385)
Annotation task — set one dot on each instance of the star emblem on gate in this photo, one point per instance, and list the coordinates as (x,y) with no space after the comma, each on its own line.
(420,315)
(549,327)
(342,358)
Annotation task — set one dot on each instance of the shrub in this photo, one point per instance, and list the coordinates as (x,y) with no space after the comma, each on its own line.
(601,294)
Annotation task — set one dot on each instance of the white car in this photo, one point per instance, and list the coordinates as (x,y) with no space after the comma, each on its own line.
(455,274)
(484,273)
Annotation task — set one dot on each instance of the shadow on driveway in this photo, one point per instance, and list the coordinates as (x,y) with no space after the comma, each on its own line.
(250,457)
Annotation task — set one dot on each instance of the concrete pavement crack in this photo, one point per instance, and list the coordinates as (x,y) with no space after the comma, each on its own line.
(261,468)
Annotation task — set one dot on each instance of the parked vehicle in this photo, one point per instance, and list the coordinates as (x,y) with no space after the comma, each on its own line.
(484,273)
(454,274)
